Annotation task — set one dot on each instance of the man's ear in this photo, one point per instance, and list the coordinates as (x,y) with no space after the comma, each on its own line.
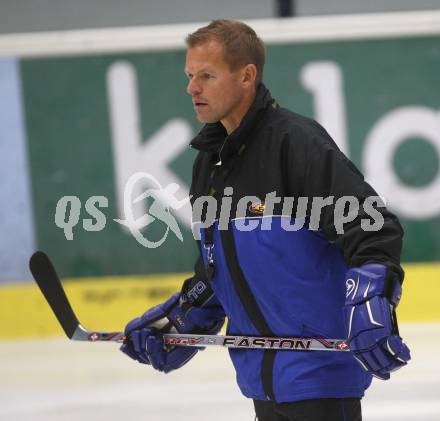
(249,74)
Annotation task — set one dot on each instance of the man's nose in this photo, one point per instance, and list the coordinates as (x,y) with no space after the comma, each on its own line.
(193,87)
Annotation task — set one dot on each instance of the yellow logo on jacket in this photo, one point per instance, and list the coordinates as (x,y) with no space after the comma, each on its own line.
(257,208)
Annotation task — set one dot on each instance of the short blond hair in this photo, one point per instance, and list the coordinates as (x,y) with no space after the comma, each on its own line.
(240,42)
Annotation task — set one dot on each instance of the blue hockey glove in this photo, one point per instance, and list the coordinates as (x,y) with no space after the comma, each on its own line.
(373,334)
(143,334)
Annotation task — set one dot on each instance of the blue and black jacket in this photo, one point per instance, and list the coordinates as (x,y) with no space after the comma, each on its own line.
(281,282)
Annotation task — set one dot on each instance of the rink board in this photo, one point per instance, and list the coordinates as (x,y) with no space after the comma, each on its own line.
(108,303)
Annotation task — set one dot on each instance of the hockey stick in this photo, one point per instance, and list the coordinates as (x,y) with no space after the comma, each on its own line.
(50,285)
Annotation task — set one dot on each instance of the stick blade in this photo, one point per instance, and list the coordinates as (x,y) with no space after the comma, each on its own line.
(50,285)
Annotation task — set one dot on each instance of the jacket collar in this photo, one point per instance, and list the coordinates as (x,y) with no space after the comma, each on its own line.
(213,136)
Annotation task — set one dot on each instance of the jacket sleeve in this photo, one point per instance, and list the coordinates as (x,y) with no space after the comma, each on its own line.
(320,169)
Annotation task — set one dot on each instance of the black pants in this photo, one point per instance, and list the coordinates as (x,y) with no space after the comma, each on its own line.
(347,409)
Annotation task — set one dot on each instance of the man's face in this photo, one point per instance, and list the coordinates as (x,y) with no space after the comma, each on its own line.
(216,91)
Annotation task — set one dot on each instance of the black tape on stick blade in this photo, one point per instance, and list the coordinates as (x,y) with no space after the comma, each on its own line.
(50,285)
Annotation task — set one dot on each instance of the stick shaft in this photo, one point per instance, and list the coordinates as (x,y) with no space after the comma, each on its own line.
(258,342)
(228,341)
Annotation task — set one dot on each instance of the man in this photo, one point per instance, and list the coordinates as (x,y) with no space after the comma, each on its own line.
(312,280)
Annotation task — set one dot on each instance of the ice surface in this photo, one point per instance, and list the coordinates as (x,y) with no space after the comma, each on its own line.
(52,380)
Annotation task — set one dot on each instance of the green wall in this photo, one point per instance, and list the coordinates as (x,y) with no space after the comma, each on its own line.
(69,133)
